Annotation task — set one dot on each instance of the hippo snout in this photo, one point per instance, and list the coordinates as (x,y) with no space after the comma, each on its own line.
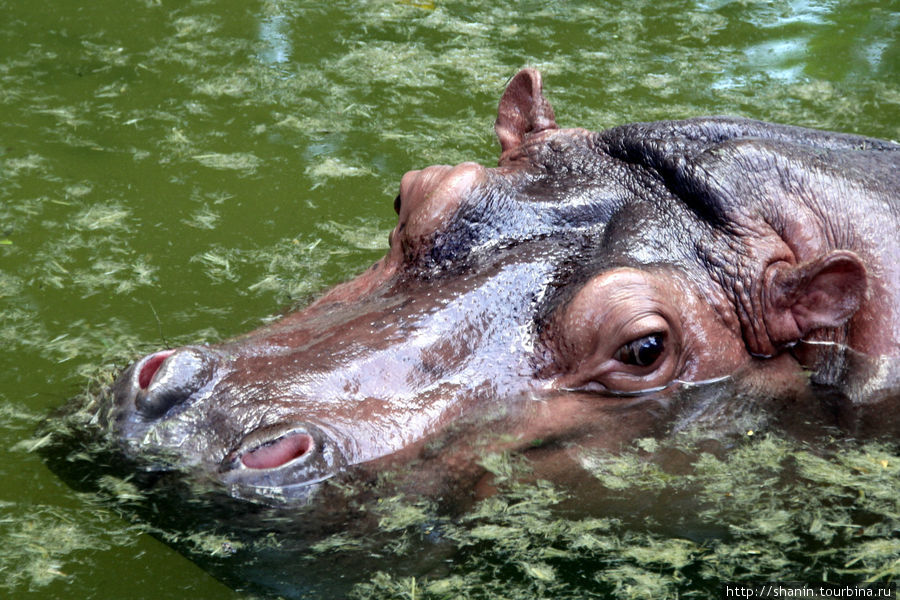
(160,381)
(151,416)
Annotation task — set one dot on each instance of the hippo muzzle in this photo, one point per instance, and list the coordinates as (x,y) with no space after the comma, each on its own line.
(282,457)
(339,385)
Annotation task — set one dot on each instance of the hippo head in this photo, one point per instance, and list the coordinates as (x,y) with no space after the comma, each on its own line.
(573,288)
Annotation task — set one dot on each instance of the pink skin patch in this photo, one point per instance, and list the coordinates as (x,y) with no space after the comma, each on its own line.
(279,452)
(151,367)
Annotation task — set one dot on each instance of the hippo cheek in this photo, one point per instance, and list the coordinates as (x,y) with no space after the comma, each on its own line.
(285,460)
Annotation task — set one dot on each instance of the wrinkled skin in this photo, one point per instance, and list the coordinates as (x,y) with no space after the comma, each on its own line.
(560,297)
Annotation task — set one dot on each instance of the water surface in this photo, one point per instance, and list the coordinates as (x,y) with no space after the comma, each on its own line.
(174,173)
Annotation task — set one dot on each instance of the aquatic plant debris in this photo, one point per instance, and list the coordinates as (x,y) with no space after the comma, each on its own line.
(763,505)
(238,161)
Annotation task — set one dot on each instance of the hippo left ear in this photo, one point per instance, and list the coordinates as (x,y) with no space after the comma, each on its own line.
(523,110)
(821,294)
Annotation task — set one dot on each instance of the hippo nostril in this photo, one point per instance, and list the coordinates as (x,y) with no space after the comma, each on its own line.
(278,452)
(290,457)
(168,378)
(151,367)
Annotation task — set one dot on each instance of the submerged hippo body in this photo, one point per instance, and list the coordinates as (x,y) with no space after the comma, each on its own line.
(571,290)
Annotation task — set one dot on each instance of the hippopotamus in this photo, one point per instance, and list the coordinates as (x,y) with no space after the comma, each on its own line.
(584,280)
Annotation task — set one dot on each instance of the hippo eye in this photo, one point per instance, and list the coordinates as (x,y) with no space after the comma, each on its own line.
(397,204)
(642,352)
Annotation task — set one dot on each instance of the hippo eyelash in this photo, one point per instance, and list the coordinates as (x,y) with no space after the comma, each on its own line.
(615,393)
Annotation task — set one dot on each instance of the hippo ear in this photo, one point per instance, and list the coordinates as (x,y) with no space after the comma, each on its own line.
(821,294)
(523,110)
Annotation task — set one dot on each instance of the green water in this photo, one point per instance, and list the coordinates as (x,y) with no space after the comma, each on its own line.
(179,172)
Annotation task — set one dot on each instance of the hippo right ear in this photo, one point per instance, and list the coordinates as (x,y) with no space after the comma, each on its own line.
(821,294)
(523,110)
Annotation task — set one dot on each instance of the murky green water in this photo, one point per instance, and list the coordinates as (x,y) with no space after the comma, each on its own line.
(175,172)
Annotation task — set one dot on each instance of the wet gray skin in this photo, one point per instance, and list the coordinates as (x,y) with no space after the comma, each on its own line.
(581,281)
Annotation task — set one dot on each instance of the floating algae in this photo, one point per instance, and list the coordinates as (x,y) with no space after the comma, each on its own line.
(780,510)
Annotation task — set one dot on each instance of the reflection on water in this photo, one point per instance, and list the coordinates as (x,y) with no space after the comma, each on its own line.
(789,42)
(273,34)
(781,59)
